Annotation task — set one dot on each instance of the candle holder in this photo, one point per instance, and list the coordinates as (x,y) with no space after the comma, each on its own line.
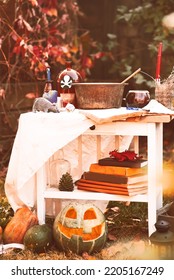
(162,241)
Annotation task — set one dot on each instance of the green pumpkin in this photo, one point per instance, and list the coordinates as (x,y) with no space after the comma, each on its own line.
(38,238)
(80,228)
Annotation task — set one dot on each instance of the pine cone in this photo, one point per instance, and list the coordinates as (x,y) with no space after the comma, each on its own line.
(66,183)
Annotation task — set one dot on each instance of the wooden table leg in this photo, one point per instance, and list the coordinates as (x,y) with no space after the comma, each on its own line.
(41,186)
(154,168)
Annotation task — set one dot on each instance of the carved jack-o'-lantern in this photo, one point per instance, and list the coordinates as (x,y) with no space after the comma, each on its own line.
(80,228)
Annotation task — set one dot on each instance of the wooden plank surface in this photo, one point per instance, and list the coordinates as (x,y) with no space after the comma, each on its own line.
(151,118)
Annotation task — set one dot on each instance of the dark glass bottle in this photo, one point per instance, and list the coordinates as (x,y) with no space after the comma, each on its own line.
(65,88)
(49,93)
(48,86)
(48,82)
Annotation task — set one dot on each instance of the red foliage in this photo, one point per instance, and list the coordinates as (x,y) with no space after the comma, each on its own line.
(126,155)
(45,33)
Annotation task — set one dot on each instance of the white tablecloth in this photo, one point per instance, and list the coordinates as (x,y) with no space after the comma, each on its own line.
(38,137)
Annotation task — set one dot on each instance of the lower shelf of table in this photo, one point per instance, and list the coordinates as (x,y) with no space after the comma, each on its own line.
(84,195)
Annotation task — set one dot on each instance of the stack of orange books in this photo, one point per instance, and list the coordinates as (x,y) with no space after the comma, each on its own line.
(111,179)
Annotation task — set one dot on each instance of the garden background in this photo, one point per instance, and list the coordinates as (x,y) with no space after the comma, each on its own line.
(105,41)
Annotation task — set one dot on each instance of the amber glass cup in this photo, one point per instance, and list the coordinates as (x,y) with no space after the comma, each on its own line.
(137,99)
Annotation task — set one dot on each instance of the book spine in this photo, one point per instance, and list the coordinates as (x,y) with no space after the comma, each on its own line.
(108,184)
(110,190)
(105,177)
(125,171)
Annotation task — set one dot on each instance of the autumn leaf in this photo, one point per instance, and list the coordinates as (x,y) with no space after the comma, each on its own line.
(112,237)
(122,156)
(74,49)
(34,3)
(2,93)
(50,12)
(86,256)
(49,7)
(30,95)
(99,55)
(87,62)
(27,26)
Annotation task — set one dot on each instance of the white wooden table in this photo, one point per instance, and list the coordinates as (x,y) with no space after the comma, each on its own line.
(152,128)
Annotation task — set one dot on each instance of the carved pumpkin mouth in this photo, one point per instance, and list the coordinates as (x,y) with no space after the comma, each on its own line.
(69,232)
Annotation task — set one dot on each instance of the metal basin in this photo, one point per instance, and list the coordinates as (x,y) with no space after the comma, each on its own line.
(99,95)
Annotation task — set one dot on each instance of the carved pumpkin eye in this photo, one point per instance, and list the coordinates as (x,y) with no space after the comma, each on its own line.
(71,213)
(90,214)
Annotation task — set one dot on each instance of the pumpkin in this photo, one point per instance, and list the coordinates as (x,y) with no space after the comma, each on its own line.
(22,220)
(80,228)
(0,234)
(38,238)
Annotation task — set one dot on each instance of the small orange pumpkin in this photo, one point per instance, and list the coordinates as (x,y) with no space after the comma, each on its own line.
(0,234)
(80,228)
(15,230)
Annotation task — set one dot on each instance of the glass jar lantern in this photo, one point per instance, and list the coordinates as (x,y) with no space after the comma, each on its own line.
(57,168)
(65,81)
(162,241)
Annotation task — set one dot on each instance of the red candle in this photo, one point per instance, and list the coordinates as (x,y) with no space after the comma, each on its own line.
(158,65)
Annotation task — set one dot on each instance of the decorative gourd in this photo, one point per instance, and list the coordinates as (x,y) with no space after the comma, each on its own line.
(38,238)
(0,234)
(80,228)
(6,212)
(22,220)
